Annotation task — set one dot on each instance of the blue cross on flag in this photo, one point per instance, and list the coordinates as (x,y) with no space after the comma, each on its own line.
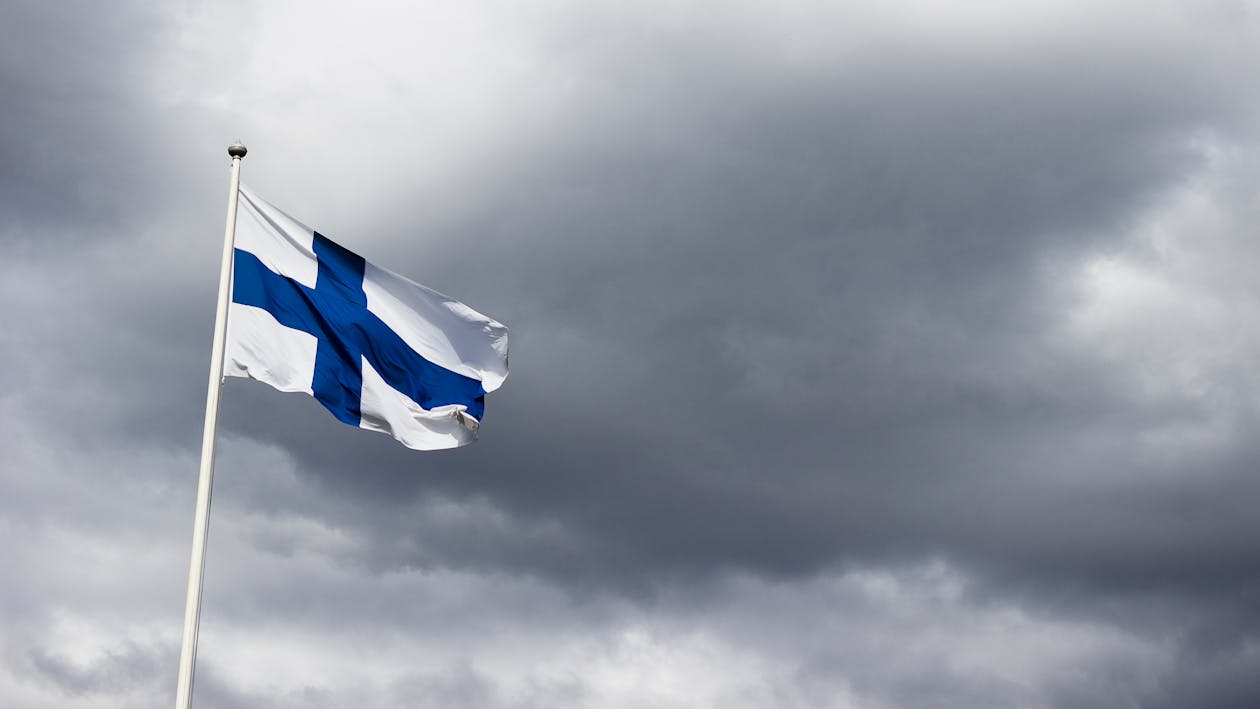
(377,350)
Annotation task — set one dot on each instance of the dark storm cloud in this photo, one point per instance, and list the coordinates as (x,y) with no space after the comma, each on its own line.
(88,150)
(830,336)
(773,313)
(785,323)
(77,130)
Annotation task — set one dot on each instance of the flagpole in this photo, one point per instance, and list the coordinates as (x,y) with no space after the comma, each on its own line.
(201,523)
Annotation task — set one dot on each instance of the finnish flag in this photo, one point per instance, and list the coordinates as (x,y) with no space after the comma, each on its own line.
(378,350)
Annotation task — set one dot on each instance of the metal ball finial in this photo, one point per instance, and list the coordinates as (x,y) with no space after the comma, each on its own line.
(237,150)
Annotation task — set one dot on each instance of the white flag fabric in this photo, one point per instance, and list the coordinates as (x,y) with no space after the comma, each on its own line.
(377,350)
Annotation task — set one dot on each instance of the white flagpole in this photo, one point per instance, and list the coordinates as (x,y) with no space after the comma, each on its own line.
(201,524)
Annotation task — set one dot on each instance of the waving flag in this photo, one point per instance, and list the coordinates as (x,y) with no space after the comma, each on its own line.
(377,350)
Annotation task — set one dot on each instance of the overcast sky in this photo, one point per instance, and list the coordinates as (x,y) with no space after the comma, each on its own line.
(864,355)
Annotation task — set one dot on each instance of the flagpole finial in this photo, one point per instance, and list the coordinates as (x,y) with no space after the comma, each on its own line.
(237,150)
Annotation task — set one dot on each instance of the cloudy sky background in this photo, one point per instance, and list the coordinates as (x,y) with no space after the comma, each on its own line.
(861,357)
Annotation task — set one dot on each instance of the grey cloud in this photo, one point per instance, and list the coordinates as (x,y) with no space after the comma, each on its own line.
(116,672)
(775,311)
(904,306)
